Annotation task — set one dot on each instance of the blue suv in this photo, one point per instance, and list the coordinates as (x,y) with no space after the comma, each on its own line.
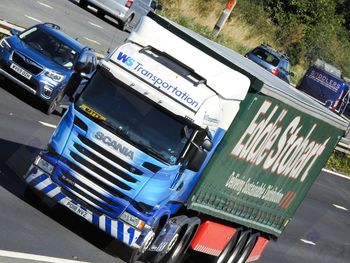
(42,60)
(270,59)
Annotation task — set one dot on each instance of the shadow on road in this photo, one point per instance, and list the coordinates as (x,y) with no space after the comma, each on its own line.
(15,160)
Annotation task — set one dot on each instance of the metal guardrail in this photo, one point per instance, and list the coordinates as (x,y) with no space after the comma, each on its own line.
(5,27)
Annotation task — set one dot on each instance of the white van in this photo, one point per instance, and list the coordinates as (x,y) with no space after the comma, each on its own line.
(126,12)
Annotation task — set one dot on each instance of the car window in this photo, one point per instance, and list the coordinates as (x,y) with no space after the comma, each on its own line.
(285,65)
(266,56)
(50,46)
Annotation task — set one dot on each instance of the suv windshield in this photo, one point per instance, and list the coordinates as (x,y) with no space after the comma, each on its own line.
(50,46)
(138,121)
(266,56)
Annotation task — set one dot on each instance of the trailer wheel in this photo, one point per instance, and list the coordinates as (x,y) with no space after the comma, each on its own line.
(225,254)
(248,247)
(238,248)
(178,246)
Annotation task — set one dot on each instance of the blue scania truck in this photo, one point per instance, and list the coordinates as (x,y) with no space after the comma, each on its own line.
(177,142)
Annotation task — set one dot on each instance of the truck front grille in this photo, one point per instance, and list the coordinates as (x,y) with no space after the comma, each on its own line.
(26,63)
(100,178)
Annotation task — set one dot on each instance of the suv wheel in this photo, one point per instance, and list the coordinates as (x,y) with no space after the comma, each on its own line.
(55,103)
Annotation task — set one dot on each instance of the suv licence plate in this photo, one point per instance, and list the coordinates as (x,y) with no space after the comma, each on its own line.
(20,71)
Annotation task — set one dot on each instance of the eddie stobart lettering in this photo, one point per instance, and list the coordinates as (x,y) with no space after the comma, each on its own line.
(114,144)
(281,150)
(156,81)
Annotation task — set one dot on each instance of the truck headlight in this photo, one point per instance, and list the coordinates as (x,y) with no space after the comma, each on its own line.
(44,165)
(132,220)
(4,44)
(54,76)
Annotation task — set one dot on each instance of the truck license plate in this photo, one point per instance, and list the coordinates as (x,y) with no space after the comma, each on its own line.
(20,71)
(78,210)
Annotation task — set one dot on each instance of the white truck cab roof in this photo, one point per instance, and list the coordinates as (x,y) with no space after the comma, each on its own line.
(178,76)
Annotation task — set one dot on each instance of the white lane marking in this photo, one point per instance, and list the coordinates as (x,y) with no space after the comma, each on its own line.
(93,41)
(43,4)
(337,174)
(340,207)
(33,18)
(18,255)
(48,124)
(308,242)
(96,25)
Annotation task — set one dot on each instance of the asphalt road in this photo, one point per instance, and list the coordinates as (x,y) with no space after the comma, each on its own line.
(319,232)
(73,20)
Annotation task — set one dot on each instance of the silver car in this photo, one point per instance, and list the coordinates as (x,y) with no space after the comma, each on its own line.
(126,12)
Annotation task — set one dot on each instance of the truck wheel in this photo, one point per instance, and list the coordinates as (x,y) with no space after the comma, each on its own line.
(238,248)
(83,4)
(178,246)
(54,104)
(138,254)
(123,25)
(225,254)
(248,247)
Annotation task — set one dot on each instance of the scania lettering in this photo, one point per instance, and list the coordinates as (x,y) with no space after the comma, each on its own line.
(177,143)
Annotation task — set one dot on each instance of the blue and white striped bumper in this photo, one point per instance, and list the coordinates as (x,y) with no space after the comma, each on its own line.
(116,228)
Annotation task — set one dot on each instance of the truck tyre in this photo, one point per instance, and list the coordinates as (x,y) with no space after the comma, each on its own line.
(138,254)
(83,3)
(178,246)
(248,247)
(238,248)
(49,108)
(226,253)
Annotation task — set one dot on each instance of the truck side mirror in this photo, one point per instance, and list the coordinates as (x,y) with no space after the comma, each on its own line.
(207,145)
(86,63)
(197,160)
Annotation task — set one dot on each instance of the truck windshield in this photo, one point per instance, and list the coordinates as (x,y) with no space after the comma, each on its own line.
(140,122)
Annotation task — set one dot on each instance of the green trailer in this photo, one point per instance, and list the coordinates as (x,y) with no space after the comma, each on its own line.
(267,161)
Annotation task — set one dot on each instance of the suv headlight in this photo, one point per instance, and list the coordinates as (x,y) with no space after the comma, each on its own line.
(4,44)
(54,76)
(44,165)
(132,220)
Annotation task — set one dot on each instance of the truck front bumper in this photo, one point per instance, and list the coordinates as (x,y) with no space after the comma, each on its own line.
(118,229)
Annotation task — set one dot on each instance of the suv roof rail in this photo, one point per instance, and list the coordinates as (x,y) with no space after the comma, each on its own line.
(267,45)
(53,25)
